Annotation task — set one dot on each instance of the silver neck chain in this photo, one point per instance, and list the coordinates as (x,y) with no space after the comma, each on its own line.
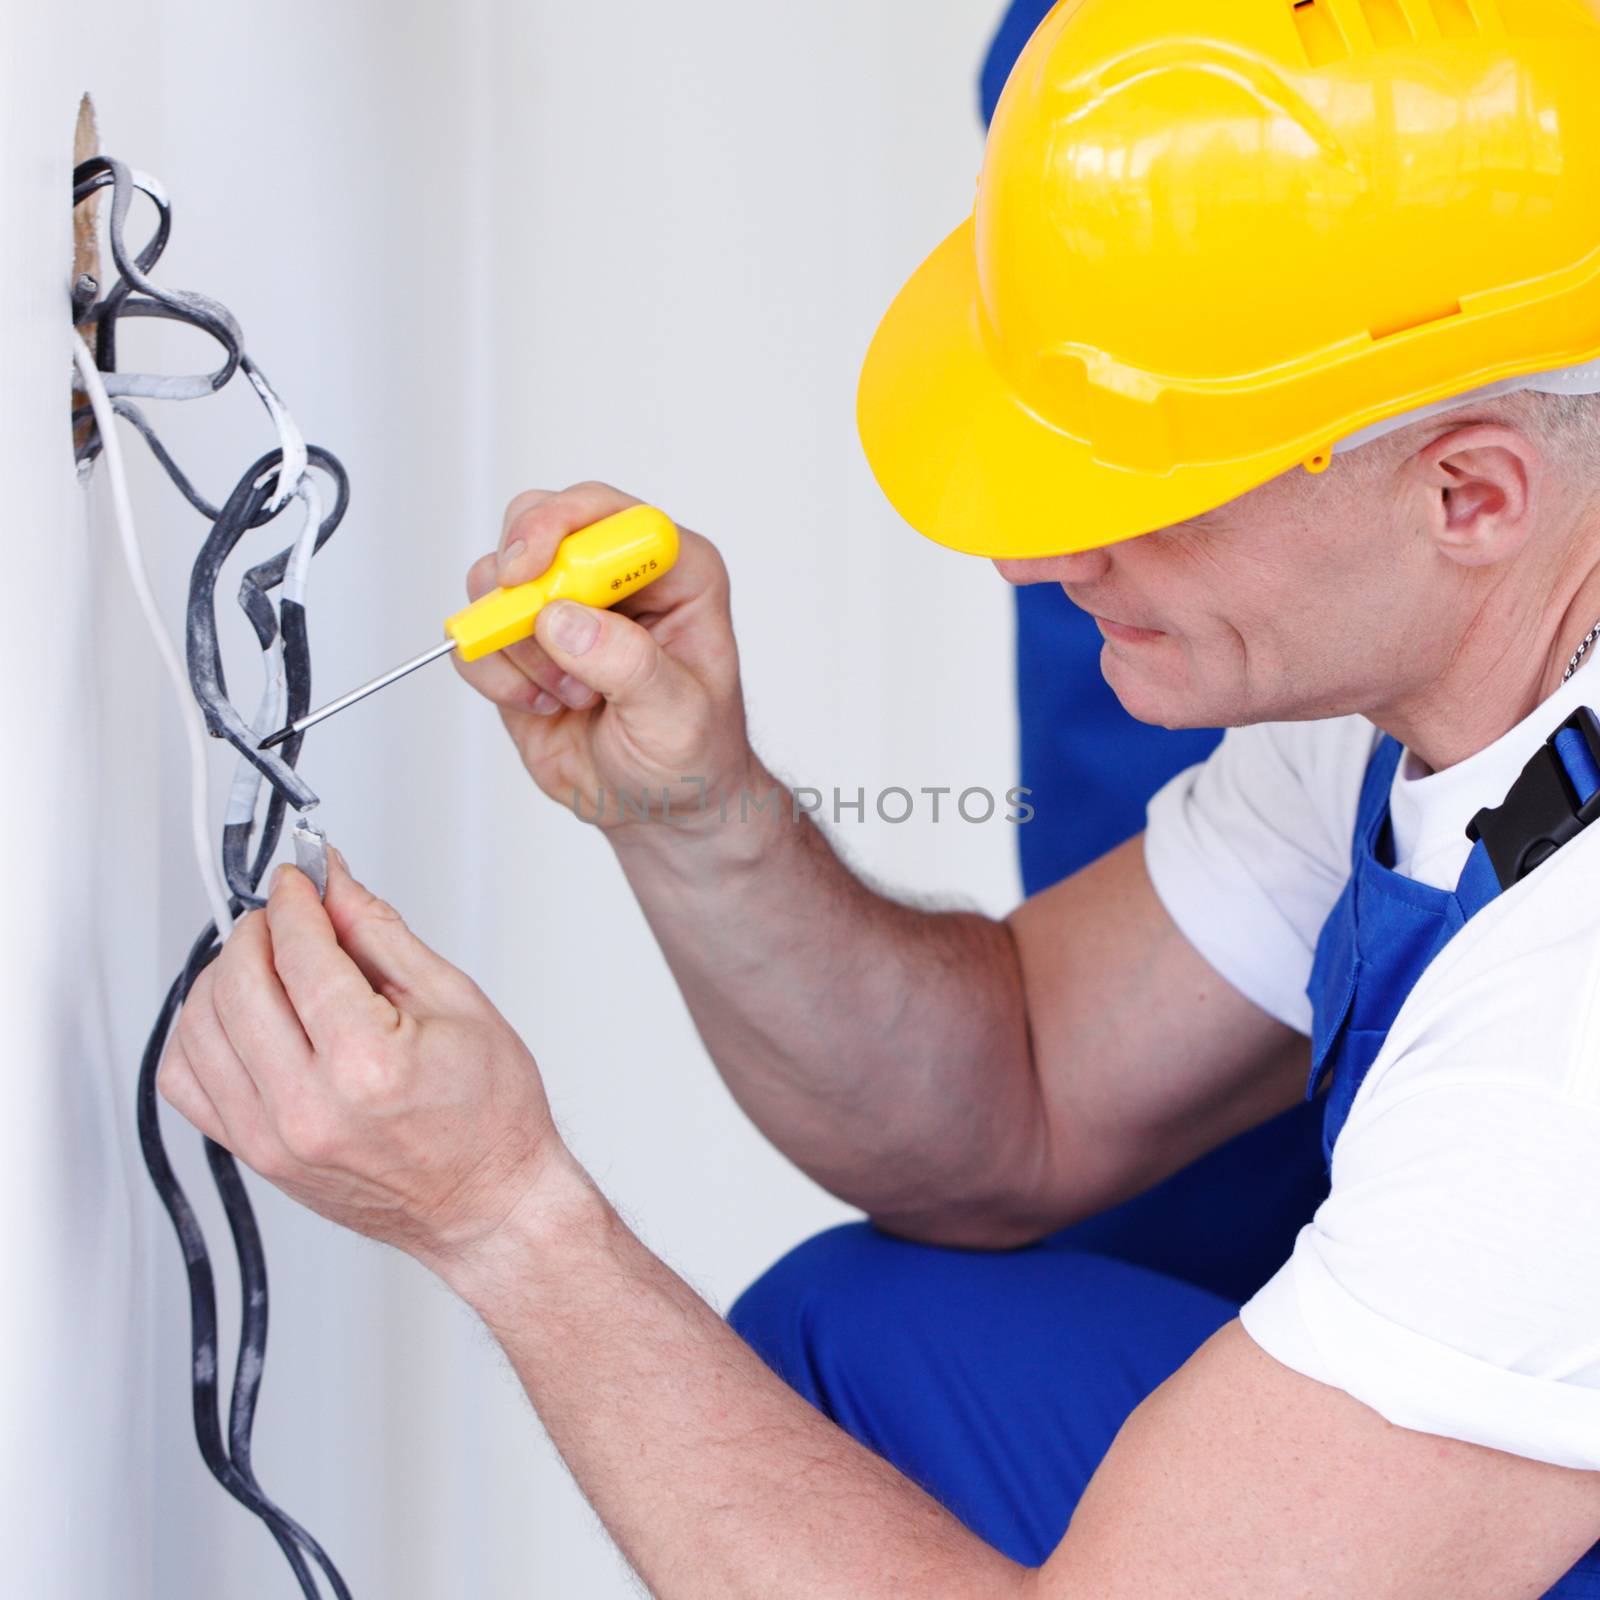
(1578,654)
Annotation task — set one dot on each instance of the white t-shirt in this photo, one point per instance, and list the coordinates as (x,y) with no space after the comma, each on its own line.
(1451,1280)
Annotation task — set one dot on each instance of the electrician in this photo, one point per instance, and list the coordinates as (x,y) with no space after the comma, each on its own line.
(1272,341)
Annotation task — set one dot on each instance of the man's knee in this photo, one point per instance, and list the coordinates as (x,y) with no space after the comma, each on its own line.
(811,1299)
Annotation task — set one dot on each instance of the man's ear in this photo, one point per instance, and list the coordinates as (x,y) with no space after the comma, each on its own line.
(1480,487)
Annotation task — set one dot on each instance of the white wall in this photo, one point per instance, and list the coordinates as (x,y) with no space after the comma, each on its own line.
(478,247)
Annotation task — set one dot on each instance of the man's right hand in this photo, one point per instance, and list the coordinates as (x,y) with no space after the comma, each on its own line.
(963,1081)
(632,702)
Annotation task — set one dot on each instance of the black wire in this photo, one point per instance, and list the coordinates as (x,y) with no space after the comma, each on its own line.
(247,507)
(88,178)
(186,304)
(229,1466)
(240,512)
(129,412)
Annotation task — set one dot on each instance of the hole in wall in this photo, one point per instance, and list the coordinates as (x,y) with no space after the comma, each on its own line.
(85,243)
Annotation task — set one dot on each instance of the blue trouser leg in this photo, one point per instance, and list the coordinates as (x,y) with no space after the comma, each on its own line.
(996,1381)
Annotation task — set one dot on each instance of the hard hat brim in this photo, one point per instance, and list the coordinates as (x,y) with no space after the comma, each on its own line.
(965,462)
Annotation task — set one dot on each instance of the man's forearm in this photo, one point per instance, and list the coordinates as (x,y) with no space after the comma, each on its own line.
(712,1476)
(882,1047)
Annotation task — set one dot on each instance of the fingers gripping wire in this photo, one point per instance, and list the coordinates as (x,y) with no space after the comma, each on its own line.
(273,596)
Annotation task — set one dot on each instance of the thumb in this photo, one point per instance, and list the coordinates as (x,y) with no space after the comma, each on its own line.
(373,934)
(613,655)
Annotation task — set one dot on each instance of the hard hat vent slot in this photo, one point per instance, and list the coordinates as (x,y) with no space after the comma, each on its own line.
(1439,314)
(1387,22)
(1320,37)
(1455,18)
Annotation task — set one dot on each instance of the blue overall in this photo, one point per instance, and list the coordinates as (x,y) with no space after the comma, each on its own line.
(998,1381)
(1226,1221)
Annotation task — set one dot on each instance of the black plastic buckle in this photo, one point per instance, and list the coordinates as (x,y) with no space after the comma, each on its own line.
(1542,811)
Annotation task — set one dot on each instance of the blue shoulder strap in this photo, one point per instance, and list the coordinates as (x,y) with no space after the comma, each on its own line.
(1554,799)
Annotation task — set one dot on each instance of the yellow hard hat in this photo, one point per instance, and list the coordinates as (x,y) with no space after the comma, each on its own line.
(1213,240)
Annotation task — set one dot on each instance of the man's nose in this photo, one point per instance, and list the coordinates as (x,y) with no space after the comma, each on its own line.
(1082,566)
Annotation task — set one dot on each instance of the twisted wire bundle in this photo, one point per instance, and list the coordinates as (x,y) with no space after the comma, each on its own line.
(272,595)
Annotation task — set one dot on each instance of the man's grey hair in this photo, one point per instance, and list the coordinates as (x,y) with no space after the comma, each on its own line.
(1567,426)
(1568,423)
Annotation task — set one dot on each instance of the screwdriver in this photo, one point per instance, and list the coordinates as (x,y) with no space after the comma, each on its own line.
(598,565)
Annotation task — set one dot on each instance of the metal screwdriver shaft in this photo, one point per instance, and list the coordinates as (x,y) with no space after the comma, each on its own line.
(311,718)
(597,566)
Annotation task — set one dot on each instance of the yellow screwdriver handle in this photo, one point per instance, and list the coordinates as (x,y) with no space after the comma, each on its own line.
(598,565)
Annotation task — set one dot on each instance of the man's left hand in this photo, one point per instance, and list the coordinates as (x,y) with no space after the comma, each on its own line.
(343,1060)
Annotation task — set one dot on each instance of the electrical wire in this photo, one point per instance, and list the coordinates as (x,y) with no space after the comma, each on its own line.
(264,490)
(139,576)
(229,1464)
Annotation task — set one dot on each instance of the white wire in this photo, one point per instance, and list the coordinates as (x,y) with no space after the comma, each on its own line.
(246,787)
(188,710)
(298,572)
(291,442)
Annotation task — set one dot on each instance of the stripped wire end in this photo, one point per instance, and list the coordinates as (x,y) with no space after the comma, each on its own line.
(311,853)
